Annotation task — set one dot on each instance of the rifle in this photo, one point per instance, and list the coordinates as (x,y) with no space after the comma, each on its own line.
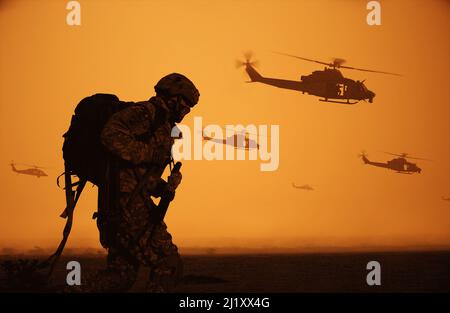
(158,215)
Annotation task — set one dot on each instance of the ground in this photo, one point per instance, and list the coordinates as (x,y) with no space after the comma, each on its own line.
(331,272)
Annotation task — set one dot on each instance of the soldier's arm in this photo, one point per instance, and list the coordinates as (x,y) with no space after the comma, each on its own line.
(162,186)
(120,134)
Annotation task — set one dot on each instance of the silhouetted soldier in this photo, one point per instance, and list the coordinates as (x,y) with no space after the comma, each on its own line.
(140,136)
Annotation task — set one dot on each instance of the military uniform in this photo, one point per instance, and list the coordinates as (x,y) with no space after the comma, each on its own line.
(131,135)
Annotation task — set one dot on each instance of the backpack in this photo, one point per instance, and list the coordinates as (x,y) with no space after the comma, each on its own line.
(83,152)
(86,157)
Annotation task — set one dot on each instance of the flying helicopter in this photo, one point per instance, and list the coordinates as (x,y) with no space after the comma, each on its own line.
(445,199)
(400,164)
(239,141)
(304,187)
(34,171)
(328,83)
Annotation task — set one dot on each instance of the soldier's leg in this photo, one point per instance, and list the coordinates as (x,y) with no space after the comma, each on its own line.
(123,250)
(167,269)
(150,245)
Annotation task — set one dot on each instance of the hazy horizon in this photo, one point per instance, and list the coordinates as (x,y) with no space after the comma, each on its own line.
(125,47)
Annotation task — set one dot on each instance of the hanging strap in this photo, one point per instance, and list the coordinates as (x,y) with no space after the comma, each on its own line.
(71,201)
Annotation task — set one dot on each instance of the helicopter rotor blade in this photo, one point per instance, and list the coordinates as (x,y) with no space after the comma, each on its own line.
(406,156)
(362,154)
(239,63)
(248,55)
(414,158)
(402,155)
(31,165)
(246,132)
(254,63)
(337,63)
(305,59)
(367,70)
(203,134)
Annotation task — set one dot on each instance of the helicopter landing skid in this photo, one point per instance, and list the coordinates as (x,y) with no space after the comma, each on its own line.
(341,102)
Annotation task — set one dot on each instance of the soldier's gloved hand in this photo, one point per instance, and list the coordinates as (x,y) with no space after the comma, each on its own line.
(173,181)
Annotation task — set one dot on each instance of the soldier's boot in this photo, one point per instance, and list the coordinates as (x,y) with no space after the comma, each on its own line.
(165,276)
(119,275)
(109,280)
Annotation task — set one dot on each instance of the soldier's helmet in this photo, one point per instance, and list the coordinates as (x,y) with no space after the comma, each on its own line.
(178,85)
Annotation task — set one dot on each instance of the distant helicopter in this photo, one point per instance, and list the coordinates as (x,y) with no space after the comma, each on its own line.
(304,187)
(239,141)
(328,83)
(400,164)
(445,199)
(35,171)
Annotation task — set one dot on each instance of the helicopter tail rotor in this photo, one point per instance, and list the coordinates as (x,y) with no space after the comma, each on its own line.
(250,68)
(248,56)
(363,155)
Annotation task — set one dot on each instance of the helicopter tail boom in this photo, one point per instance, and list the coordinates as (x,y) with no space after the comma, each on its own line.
(280,83)
(253,74)
(367,161)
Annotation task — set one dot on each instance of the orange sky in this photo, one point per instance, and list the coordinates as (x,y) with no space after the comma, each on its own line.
(124,47)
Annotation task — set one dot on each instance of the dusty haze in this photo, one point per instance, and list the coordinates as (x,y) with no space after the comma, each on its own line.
(124,47)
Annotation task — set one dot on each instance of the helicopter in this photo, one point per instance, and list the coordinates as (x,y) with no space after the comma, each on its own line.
(304,187)
(239,141)
(445,199)
(400,164)
(328,83)
(35,171)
